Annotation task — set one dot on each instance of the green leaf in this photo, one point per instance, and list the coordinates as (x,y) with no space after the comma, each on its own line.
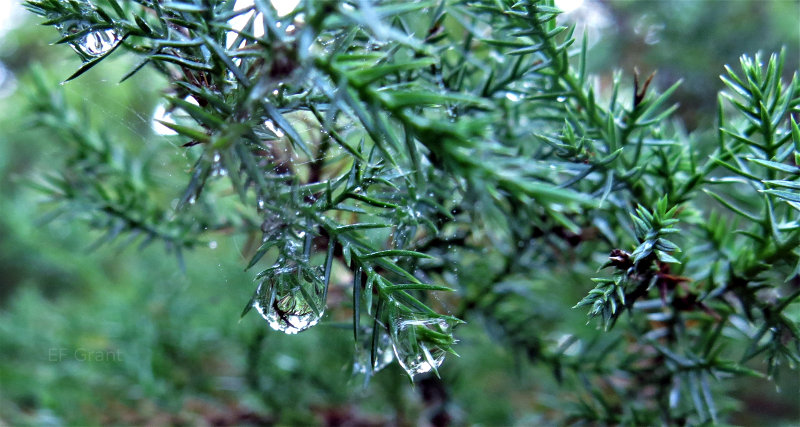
(394,253)
(262,250)
(785,195)
(192,133)
(360,226)
(356,303)
(665,257)
(184,7)
(777,166)
(220,53)
(188,63)
(732,207)
(414,287)
(369,75)
(794,185)
(287,127)
(248,307)
(416,98)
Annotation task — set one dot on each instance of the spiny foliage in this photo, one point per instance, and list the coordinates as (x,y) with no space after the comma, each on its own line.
(441,145)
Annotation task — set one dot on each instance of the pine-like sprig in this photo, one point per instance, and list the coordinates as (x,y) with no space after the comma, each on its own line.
(461,145)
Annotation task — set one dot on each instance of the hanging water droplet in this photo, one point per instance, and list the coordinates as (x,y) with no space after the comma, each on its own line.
(292,302)
(93,43)
(513,97)
(416,351)
(561,98)
(384,353)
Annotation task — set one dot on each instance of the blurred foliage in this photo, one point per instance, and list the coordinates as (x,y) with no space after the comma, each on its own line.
(688,40)
(169,347)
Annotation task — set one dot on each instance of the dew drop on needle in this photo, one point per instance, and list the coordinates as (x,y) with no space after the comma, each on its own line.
(290,306)
(92,43)
(415,354)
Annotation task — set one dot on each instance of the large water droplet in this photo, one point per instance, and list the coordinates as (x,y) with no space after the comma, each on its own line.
(384,354)
(93,43)
(415,343)
(291,302)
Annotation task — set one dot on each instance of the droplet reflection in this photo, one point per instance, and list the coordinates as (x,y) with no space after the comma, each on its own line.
(92,43)
(414,342)
(291,302)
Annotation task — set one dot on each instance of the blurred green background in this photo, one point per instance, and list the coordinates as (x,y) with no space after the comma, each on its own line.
(121,336)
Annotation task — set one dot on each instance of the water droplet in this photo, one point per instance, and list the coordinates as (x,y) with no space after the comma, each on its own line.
(93,43)
(513,97)
(415,351)
(384,353)
(561,98)
(212,244)
(291,302)
(261,203)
